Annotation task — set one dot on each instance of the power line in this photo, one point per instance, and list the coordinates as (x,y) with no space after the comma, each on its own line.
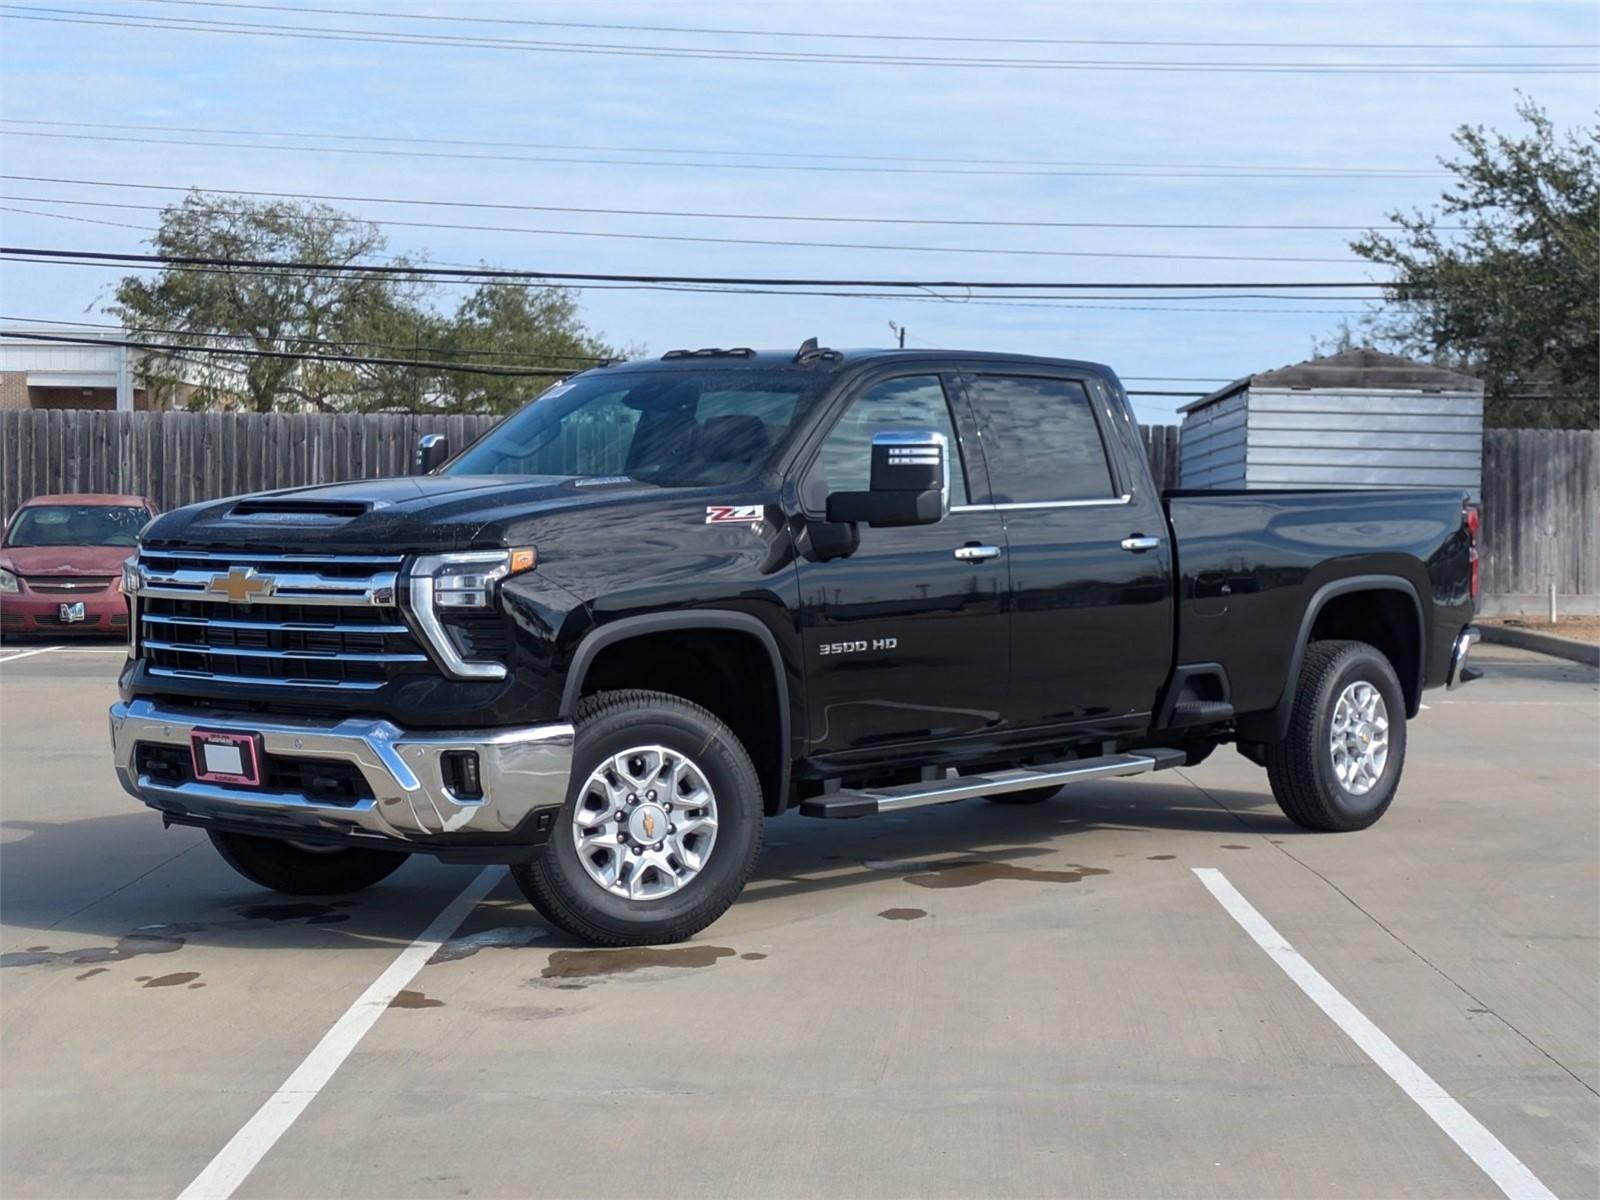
(1402,172)
(293,356)
(698,215)
(70,16)
(290,339)
(1059,300)
(876,37)
(604,277)
(702,165)
(787,243)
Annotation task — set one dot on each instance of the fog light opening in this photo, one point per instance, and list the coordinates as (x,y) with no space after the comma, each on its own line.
(460,770)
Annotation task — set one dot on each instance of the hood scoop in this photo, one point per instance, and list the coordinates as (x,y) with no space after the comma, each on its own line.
(284,510)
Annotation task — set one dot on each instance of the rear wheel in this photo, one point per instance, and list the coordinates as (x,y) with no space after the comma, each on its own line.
(660,832)
(1339,766)
(304,869)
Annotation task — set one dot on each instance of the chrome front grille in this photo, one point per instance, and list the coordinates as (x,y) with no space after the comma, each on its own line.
(67,585)
(288,620)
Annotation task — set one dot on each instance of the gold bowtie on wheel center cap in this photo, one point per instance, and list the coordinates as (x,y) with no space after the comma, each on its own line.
(647,824)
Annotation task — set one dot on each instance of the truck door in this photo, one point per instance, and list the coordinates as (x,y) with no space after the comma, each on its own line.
(904,634)
(1091,563)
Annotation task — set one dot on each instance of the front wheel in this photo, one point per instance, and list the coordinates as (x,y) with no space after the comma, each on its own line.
(303,869)
(661,831)
(1339,765)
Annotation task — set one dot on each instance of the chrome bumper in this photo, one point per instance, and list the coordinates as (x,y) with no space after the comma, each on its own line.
(521,769)
(1467,639)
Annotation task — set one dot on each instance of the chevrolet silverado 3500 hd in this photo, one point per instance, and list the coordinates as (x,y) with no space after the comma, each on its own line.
(670,599)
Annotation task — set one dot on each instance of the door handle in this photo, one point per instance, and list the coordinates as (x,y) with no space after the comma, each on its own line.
(1139,543)
(976,553)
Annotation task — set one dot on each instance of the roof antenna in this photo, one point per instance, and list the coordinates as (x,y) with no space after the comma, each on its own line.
(807,349)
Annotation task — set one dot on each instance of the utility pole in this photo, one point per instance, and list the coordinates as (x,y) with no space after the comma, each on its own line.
(899,332)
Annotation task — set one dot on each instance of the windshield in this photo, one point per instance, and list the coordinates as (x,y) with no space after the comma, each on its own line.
(677,428)
(78,525)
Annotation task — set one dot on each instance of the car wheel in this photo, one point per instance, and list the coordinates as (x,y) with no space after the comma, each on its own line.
(1339,765)
(304,869)
(661,827)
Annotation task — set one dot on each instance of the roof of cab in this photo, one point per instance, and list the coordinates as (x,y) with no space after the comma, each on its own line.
(89,498)
(830,361)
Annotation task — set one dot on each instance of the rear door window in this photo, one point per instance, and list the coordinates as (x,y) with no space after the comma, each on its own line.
(1046,444)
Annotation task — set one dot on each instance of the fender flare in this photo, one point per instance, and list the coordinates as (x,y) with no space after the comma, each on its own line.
(1280,714)
(682,620)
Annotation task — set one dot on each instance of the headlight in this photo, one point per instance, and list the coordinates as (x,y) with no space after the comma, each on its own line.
(8,582)
(439,584)
(128,582)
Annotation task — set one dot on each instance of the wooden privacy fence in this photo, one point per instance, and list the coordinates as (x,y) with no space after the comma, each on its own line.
(1541,488)
(1541,493)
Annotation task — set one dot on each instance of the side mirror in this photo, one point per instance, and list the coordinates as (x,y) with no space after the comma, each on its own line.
(910,482)
(432,451)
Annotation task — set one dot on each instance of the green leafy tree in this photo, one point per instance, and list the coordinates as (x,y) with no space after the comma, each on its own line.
(514,328)
(215,308)
(1513,295)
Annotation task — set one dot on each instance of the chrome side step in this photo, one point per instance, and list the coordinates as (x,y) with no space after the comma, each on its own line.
(867,802)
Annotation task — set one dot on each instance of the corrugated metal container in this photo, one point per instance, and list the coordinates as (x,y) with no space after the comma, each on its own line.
(1355,419)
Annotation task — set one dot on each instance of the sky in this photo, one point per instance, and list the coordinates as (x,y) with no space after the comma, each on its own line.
(586,130)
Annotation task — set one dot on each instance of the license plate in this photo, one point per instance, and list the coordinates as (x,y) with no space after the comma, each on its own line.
(232,758)
(72,612)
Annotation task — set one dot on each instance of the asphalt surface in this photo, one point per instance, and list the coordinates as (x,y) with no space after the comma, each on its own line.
(962,1001)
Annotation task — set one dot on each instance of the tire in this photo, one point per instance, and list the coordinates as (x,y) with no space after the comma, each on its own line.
(674,901)
(1303,770)
(285,867)
(1031,796)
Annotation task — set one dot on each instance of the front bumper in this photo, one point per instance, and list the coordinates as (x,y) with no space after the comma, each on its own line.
(523,772)
(36,612)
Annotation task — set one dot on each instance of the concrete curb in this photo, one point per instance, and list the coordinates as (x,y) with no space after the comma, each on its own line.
(1543,643)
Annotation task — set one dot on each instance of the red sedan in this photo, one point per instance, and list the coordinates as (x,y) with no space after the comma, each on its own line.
(61,563)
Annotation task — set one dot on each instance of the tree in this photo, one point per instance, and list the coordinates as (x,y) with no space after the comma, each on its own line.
(223,307)
(514,327)
(228,305)
(1513,295)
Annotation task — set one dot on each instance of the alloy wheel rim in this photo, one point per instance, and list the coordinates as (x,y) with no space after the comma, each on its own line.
(645,823)
(1358,738)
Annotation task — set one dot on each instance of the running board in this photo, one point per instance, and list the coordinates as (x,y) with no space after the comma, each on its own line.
(867,802)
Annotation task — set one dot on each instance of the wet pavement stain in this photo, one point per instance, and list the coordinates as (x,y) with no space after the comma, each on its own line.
(586,964)
(514,937)
(37,949)
(192,986)
(128,947)
(970,874)
(411,999)
(296,911)
(1161,857)
(752,956)
(1227,846)
(174,979)
(92,971)
(903,914)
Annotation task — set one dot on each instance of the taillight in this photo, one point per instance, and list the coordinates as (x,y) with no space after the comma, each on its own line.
(1474,523)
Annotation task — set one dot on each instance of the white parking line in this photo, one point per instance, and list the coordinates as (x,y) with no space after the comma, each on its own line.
(30,653)
(1498,1163)
(260,1133)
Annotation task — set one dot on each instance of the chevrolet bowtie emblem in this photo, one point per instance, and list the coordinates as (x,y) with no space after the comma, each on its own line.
(649,825)
(241,585)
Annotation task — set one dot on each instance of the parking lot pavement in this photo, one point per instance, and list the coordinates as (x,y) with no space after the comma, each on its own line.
(964,1000)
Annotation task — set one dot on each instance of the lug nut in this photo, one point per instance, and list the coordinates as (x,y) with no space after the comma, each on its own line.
(650,796)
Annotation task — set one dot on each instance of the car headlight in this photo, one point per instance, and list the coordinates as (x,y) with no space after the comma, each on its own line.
(440,585)
(8,582)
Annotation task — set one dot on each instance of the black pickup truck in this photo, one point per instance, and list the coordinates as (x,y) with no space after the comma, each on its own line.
(670,599)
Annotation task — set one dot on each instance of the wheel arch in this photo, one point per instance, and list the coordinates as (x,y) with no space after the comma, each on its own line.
(1377,609)
(772,754)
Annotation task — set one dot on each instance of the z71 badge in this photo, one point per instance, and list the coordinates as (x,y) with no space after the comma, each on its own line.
(734,514)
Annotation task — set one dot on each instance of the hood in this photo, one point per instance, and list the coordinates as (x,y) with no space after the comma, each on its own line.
(64,560)
(428,513)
